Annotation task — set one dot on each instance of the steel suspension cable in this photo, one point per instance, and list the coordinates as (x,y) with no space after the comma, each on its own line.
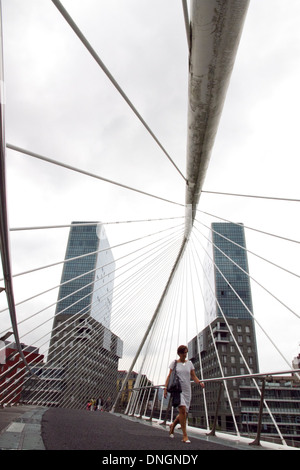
(251,228)
(155,275)
(86,173)
(80,276)
(219,362)
(249,251)
(87,254)
(49,319)
(237,345)
(240,299)
(251,277)
(38,312)
(192,261)
(93,53)
(166,322)
(252,196)
(119,222)
(164,258)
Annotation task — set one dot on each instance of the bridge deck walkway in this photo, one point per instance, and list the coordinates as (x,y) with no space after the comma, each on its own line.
(38,428)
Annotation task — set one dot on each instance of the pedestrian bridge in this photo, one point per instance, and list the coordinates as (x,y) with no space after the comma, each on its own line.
(28,427)
(159,246)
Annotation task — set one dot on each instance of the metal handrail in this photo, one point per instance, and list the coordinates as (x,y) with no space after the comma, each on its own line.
(231,377)
(264,376)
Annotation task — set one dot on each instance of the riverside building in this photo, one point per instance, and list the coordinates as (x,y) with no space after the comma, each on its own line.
(227,345)
(82,343)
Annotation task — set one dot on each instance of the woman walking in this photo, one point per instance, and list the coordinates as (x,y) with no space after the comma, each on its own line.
(185,371)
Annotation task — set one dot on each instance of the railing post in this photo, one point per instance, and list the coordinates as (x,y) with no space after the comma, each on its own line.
(213,431)
(256,441)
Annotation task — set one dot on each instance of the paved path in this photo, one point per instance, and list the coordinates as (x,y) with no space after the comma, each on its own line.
(38,428)
(20,428)
(81,429)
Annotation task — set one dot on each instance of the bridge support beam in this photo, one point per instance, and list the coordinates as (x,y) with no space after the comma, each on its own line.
(215,31)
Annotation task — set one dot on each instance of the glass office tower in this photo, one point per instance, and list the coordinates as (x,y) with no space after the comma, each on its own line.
(229,327)
(82,347)
(87,281)
(227,285)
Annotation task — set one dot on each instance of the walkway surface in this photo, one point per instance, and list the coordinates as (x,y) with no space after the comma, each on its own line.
(38,428)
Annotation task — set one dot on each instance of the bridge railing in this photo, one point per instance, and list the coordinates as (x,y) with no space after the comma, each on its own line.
(269,408)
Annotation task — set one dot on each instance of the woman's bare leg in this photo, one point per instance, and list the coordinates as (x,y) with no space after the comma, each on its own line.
(173,425)
(182,420)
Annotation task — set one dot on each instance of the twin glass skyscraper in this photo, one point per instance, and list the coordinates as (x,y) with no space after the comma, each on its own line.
(229,327)
(227,284)
(87,279)
(82,345)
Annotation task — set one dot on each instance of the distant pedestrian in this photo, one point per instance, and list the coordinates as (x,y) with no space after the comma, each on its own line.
(99,404)
(93,403)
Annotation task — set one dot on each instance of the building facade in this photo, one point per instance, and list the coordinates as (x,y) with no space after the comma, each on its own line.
(227,290)
(127,392)
(82,343)
(88,273)
(227,345)
(13,373)
(282,394)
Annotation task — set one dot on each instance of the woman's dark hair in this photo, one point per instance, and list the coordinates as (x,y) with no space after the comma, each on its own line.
(182,349)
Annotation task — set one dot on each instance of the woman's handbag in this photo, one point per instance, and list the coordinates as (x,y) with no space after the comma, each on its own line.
(174,384)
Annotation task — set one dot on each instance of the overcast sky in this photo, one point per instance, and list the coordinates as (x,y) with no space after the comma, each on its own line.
(61,105)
